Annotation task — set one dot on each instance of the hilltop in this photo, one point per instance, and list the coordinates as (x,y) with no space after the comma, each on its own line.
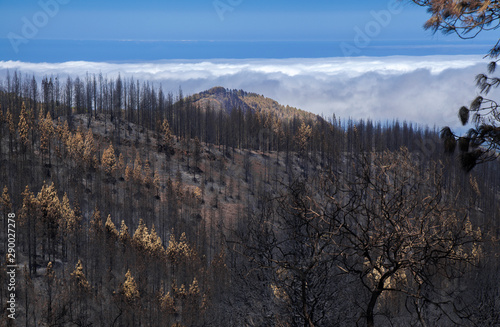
(225,99)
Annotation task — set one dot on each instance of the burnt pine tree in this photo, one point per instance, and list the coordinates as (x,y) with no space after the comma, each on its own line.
(288,243)
(109,161)
(467,19)
(401,234)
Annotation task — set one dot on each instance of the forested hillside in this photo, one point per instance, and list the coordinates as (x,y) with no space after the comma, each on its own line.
(136,206)
(222,99)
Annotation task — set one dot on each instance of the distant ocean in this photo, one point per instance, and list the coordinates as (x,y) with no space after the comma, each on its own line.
(52,51)
(422,83)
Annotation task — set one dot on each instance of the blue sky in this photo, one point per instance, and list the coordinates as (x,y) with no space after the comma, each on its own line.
(254,20)
(395,27)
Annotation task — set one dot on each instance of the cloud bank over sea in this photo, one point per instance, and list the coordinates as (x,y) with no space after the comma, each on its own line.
(425,89)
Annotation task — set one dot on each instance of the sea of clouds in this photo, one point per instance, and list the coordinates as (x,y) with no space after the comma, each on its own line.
(425,90)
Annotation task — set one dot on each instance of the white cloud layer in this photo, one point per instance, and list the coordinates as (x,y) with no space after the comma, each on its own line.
(426,90)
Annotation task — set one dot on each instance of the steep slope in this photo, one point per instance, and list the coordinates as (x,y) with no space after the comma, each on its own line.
(128,224)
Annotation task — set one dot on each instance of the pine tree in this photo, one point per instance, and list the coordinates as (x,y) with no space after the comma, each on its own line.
(141,235)
(167,138)
(148,180)
(109,161)
(75,145)
(63,135)
(192,304)
(467,19)
(137,172)
(111,236)
(89,150)
(129,289)
(179,251)
(81,293)
(167,303)
(128,173)
(302,138)
(69,221)
(28,221)
(50,207)
(5,202)
(124,234)
(110,228)
(24,127)
(69,226)
(46,127)
(79,278)
(6,206)
(156,245)
(96,223)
